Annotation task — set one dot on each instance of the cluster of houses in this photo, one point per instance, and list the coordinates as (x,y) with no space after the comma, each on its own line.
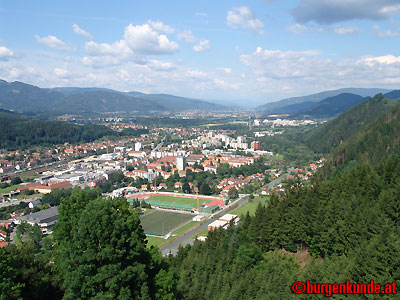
(226,184)
(164,159)
(181,164)
(301,173)
(3,237)
(20,160)
(306,173)
(277,122)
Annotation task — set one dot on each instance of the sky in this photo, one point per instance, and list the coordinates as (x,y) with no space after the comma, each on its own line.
(246,52)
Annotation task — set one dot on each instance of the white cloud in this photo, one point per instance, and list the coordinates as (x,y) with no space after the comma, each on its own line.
(243,17)
(101,61)
(5,53)
(82,33)
(344,30)
(300,29)
(60,72)
(388,34)
(104,54)
(296,28)
(200,14)
(187,36)
(160,65)
(196,74)
(144,40)
(283,64)
(385,33)
(53,42)
(160,27)
(17,71)
(301,72)
(118,48)
(386,59)
(203,45)
(139,41)
(225,85)
(226,70)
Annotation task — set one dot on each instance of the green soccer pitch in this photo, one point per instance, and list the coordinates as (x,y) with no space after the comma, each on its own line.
(160,222)
(175,202)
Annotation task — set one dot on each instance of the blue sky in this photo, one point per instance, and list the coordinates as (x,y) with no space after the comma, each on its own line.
(240,51)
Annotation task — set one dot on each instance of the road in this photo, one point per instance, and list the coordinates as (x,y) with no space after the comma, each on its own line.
(279,180)
(188,237)
(159,145)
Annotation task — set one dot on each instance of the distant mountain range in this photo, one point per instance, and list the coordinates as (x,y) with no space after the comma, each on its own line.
(27,98)
(324,104)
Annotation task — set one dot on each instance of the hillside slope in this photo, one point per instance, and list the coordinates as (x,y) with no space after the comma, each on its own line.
(372,144)
(176,103)
(393,94)
(105,101)
(332,106)
(19,132)
(281,105)
(27,98)
(327,137)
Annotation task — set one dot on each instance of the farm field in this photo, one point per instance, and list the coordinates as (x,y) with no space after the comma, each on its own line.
(175,202)
(161,222)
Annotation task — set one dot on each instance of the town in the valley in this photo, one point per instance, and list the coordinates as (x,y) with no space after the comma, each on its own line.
(183,181)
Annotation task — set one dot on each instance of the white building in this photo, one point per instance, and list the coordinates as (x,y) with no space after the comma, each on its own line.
(138,146)
(181,163)
(198,218)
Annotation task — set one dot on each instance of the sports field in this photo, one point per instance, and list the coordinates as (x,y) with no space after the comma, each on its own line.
(161,222)
(175,202)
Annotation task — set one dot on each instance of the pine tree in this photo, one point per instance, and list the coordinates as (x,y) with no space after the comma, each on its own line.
(107,257)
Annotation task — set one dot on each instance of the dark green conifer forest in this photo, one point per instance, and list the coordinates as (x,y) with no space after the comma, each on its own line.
(19,132)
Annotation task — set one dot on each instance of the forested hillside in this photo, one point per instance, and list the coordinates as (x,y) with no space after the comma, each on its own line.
(20,132)
(328,136)
(332,106)
(378,140)
(288,105)
(344,228)
(30,99)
